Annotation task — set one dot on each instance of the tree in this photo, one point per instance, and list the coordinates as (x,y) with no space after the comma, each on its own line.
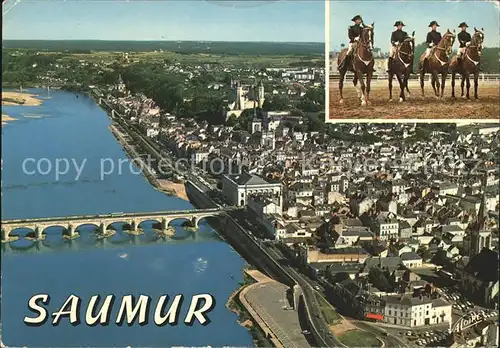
(419,49)
(276,103)
(489,60)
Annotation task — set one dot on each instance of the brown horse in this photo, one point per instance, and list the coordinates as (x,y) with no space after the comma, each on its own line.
(437,63)
(362,63)
(468,64)
(401,66)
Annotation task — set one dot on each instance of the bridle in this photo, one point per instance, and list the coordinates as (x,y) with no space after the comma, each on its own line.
(409,54)
(367,43)
(477,43)
(445,41)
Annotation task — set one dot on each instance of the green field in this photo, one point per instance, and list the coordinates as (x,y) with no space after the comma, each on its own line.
(358,338)
(182,47)
(331,316)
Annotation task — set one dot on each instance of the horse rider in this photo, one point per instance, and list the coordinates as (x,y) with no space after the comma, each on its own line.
(433,39)
(397,38)
(464,39)
(354,33)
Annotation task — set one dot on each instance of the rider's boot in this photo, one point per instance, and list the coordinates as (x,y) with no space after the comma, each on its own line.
(389,63)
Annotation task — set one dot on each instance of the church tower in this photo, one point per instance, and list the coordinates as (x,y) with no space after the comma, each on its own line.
(481,235)
(260,96)
(239,96)
(121,86)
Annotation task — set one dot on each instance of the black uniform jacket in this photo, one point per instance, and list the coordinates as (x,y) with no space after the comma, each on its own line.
(354,31)
(398,36)
(463,37)
(433,37)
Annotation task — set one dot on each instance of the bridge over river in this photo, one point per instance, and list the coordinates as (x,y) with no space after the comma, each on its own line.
(71,224)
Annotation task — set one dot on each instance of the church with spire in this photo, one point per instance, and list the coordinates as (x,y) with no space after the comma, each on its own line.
(478,272)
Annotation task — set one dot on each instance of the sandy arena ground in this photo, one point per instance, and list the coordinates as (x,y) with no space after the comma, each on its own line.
(29,99)
(415,107)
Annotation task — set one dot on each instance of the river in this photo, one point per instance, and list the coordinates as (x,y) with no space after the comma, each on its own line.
(73,127)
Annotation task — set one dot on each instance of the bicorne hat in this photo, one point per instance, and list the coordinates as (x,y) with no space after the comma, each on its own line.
(399,23)
(355,18)
(433,23)
(463,24)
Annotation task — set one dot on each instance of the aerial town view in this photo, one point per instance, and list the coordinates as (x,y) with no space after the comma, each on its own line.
(400,60)
(165,185)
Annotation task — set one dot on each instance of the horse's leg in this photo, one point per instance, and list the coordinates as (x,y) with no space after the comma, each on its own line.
(391,76)
(438,85)
(453,84)
(407,78)
(444,75)
(359,75)
(368,85)
(401,87)
(433,82)
(422,76)
(462,83)
(341,86)
(355,84)
(467,81)
(476,83)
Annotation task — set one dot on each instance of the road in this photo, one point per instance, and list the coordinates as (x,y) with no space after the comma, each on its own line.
(309,293)
(389,340)
(306,283)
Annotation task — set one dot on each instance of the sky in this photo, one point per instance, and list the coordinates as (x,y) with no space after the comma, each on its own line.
(198,20)
(416,16)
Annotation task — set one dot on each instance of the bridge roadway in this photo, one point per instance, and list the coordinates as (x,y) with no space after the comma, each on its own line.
(72,223)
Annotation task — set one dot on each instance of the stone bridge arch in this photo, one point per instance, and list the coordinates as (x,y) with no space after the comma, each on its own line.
(7,231)
(197,218)
(78,226)
(154,220)
(41,230)
(179,218)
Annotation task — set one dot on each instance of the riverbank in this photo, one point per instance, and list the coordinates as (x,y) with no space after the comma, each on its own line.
(245,319)
(6,119)
(166,186)
(20,98)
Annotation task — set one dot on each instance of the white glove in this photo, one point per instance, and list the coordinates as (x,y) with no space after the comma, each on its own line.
(356,38)
(431,44)
(467,44)
(396,43)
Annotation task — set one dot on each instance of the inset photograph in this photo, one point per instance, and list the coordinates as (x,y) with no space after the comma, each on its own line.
(408,61)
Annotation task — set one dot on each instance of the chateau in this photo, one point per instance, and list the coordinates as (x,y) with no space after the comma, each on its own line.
(244,97)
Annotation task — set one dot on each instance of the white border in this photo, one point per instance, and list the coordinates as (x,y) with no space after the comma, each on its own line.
(327,61)
(378,120)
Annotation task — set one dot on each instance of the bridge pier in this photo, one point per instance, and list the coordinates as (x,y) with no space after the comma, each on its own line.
(71,233)
(194,222)
(5,234)
(133,225)
(164,224)
(102,228)
(38,233)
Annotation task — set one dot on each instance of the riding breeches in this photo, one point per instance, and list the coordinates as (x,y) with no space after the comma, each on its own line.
(351,47)
(428,52)
(461,51)
(393,51)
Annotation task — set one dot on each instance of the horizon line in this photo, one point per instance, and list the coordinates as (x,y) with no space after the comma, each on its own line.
(207,41)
